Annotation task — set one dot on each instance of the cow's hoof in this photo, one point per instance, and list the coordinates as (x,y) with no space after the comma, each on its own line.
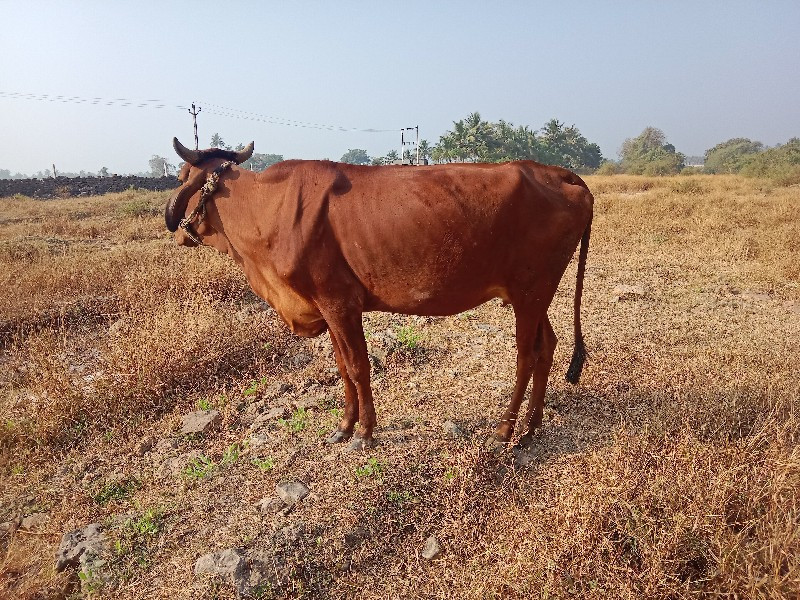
(359,443)
(495,444)
(338,436)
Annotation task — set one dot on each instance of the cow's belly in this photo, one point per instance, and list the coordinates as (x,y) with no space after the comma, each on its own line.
(300,314)
(417,300)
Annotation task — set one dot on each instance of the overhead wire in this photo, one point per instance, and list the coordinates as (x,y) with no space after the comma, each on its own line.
(213,109)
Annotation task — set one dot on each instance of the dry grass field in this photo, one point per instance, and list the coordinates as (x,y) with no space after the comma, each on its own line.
(671,471)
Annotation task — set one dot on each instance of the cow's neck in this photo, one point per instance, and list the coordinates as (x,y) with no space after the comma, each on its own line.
(248,216)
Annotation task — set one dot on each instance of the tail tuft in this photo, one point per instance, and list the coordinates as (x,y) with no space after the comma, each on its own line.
(576,364)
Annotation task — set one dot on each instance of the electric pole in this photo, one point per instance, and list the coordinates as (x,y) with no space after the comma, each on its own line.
(404,143)
(194,114)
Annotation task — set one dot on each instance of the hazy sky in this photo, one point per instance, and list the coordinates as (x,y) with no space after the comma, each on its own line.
(703,72)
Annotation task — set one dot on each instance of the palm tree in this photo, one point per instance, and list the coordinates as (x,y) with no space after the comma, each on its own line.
(216,141)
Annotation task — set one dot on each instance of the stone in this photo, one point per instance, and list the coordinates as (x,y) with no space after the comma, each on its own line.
(276,389)
(75,543)
(226,563)
(291,492)
(34,521)
(259,440)
(270,506)
(431,549)
(200,421)
(166,444)
(268,418)
(300,360)
(627,292)
(307,402)
(452,429)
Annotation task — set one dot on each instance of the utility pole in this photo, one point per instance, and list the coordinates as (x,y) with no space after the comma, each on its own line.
(194,114)
(55,175)
(404,143)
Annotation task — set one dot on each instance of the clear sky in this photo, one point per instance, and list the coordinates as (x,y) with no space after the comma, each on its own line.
(703,72)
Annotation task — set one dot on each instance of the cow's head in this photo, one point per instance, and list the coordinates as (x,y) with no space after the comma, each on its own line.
(193,176)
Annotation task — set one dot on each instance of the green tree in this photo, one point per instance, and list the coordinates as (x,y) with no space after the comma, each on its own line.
(424,150)
(781,162)
(216,142)
(475,140)
(356,156)
(731,156)
(650,154)
(159,166)
(259,162)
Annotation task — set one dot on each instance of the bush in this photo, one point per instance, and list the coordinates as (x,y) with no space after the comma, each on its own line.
(608,168)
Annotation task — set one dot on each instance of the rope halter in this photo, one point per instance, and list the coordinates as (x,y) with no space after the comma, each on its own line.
(208,189)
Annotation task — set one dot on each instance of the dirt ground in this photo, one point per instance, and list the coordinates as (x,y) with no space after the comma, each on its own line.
(671,470)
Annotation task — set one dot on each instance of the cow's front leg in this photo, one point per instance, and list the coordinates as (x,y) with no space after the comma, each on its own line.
(345,429)
(353,362)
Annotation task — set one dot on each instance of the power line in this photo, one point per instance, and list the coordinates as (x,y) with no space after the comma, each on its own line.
(252,116)
(92,101)
(215,109)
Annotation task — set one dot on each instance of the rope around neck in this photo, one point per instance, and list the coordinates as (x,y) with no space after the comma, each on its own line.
(208,189)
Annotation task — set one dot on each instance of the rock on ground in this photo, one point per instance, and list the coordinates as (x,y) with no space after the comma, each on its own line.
(74,544)
(229,562)
(453,430)
(291,492)
(200,421)
(431,549)
(34,521)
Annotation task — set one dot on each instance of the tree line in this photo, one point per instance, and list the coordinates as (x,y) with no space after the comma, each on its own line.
(473,139)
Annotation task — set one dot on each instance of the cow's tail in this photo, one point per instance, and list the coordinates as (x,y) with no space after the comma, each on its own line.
(579,353)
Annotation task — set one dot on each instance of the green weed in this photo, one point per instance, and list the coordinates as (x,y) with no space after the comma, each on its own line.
(200,467)
(113,490)
(373,468)
(231,454)
(297,422)
(265,464)
(408,337)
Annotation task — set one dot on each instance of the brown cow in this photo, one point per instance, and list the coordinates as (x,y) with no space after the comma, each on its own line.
(323,242)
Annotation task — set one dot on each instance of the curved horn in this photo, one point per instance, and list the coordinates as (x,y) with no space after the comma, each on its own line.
(176,207)
(243,155)
(190,156)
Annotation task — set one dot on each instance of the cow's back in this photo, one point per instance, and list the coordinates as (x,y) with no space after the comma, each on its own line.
(441,239)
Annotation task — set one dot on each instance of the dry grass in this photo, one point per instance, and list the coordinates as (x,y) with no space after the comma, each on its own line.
(671,471)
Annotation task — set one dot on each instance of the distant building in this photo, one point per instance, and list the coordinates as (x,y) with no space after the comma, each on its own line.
(695,161)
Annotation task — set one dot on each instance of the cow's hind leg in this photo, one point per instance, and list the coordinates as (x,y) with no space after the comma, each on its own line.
(528,324)
(345,429)
(541,373)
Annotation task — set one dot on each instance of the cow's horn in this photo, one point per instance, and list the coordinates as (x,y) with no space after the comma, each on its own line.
(190,156)
(243,155)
